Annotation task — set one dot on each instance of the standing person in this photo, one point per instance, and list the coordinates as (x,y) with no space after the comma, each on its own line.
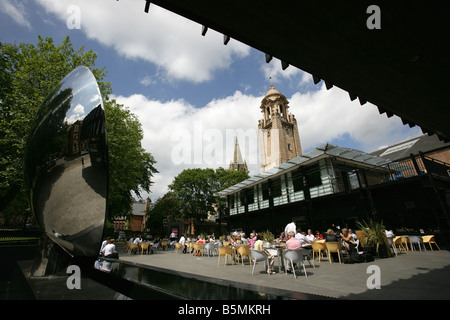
(183,242)
(290,227)
(259,247)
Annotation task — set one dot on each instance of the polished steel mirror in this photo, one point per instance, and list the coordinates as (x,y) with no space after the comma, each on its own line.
(66,165)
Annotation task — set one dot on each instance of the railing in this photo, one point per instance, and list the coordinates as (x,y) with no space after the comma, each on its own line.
(414,166)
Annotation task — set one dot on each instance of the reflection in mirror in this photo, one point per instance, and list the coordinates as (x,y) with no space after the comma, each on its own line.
(66,165)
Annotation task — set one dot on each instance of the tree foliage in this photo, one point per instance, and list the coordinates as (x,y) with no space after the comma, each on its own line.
(28,73)
(130,167)
(195,190)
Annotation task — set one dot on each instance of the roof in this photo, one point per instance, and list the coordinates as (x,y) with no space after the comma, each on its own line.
(325,151)
(402,68)
(402,150)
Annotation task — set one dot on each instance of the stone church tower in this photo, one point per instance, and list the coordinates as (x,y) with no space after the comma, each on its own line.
(238,164)
(279,140)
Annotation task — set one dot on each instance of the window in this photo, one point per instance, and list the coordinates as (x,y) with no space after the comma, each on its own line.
(276,187)
(265,191)
(297,181)
(313,179)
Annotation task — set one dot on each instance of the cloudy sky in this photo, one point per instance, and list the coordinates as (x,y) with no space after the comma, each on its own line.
(192,93)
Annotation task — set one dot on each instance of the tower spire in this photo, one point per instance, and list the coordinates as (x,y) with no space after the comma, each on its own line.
(238,163)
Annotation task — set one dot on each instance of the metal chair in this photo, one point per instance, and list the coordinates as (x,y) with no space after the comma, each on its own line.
(209,247)
(296,256)
(416,240)
(391,245)
(256,256)
(155,246)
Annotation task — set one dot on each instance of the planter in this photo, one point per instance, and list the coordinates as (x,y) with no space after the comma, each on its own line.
(371,250)
(383,251)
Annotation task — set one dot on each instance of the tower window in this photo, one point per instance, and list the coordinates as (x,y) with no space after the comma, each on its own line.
(289,147)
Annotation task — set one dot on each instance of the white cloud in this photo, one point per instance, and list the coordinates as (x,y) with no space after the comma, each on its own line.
(275,72)
(206,135)
(169,41)
(16,10)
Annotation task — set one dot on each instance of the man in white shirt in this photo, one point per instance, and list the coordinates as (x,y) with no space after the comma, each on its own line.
(291,227)
(138,241)
(183,242)
(310,236)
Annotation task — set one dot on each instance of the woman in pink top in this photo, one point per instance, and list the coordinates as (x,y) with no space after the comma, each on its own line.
(293,243)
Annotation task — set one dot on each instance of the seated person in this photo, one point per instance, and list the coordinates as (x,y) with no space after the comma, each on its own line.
(259,247)
(318,235)
(292,244)
(349,243)
(310,236)
(252,240)
(330,236)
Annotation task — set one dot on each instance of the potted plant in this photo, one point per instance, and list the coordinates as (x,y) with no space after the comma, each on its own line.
(268,238)
(373,235)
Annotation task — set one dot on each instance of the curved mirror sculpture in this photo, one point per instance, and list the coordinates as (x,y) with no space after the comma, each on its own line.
(66,165)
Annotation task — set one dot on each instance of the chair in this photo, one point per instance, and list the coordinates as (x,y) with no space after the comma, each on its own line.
(259,256)
(334,247)
(296,256)
(225,252)
(226,243)
(155,246)
(198,249)
(318,247)
(178,246)
(405,242)
(144,247)
(416,240)
(190,245)
(391,244)
(164,244)
(131,247)
(210,247)
(243,251)
(430,239)
(398,243)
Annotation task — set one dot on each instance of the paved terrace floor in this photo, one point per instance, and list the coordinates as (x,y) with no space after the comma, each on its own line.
(416,275)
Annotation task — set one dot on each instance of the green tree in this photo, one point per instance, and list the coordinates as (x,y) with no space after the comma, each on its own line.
(195,190)
(165,207)
(28,73)
(130,167)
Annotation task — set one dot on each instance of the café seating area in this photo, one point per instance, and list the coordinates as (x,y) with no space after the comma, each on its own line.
(242,254)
